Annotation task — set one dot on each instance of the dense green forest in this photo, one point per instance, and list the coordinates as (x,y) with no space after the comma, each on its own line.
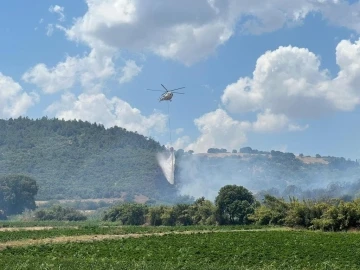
(76,159)
(80,160)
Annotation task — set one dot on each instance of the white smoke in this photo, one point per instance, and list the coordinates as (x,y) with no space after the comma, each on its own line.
(167,163)
(201,175)
(198,177)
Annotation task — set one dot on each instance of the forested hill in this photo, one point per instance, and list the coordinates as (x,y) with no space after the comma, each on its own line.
(278,173)
(76,159)
(79,160)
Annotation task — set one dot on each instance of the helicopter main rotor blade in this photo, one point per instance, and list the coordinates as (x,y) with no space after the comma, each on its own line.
(164,87)
(155,90)
(177,89)
(178,93)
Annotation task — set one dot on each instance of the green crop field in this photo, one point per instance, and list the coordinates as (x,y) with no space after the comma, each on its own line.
(204,248)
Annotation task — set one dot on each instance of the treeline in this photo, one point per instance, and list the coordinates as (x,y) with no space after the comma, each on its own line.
(339,163)
(235,205)
(331,215)
(201,212)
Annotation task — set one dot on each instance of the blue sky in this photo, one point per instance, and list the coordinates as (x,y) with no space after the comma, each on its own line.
(270,75)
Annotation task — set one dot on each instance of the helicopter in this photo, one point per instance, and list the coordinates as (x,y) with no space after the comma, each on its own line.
(168,94)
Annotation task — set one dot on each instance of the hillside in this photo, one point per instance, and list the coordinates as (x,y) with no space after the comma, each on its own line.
(274,172)
(76,159)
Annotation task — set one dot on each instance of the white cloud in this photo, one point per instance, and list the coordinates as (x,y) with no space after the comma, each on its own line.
(129,71)
(175,30)
(109,112)
(287,85)
(294,127)
(341,13)
(49,29)
(289,82)
(181,142)
(218,129)
(13,100)
(269,122)
(58,10)
(90,71)
(178,31)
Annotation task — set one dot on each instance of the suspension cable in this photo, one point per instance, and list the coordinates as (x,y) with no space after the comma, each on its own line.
(169,121)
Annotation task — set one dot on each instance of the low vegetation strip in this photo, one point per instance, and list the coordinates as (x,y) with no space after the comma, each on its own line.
(13,229)
(195,250)
(24,238)
(63,229)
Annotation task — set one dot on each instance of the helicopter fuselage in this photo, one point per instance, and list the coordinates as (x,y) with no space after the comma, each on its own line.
(166,96)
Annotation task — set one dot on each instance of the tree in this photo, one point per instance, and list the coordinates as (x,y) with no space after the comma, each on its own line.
(273,211)
(247,150)
(17,193)
(203,212)
(127,214)
(234,204)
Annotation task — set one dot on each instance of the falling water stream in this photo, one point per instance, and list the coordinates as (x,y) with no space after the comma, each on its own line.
(167,160)
(167,163)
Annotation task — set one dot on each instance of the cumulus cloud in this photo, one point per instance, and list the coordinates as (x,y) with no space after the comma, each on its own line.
(181,142)
(269,122)
(178,31)
(341,13)
(58,10)
(90,71)
(13,100)
(109,112)
(165,28)
(129,71)
(289,82)
(168,27)
(218,129)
